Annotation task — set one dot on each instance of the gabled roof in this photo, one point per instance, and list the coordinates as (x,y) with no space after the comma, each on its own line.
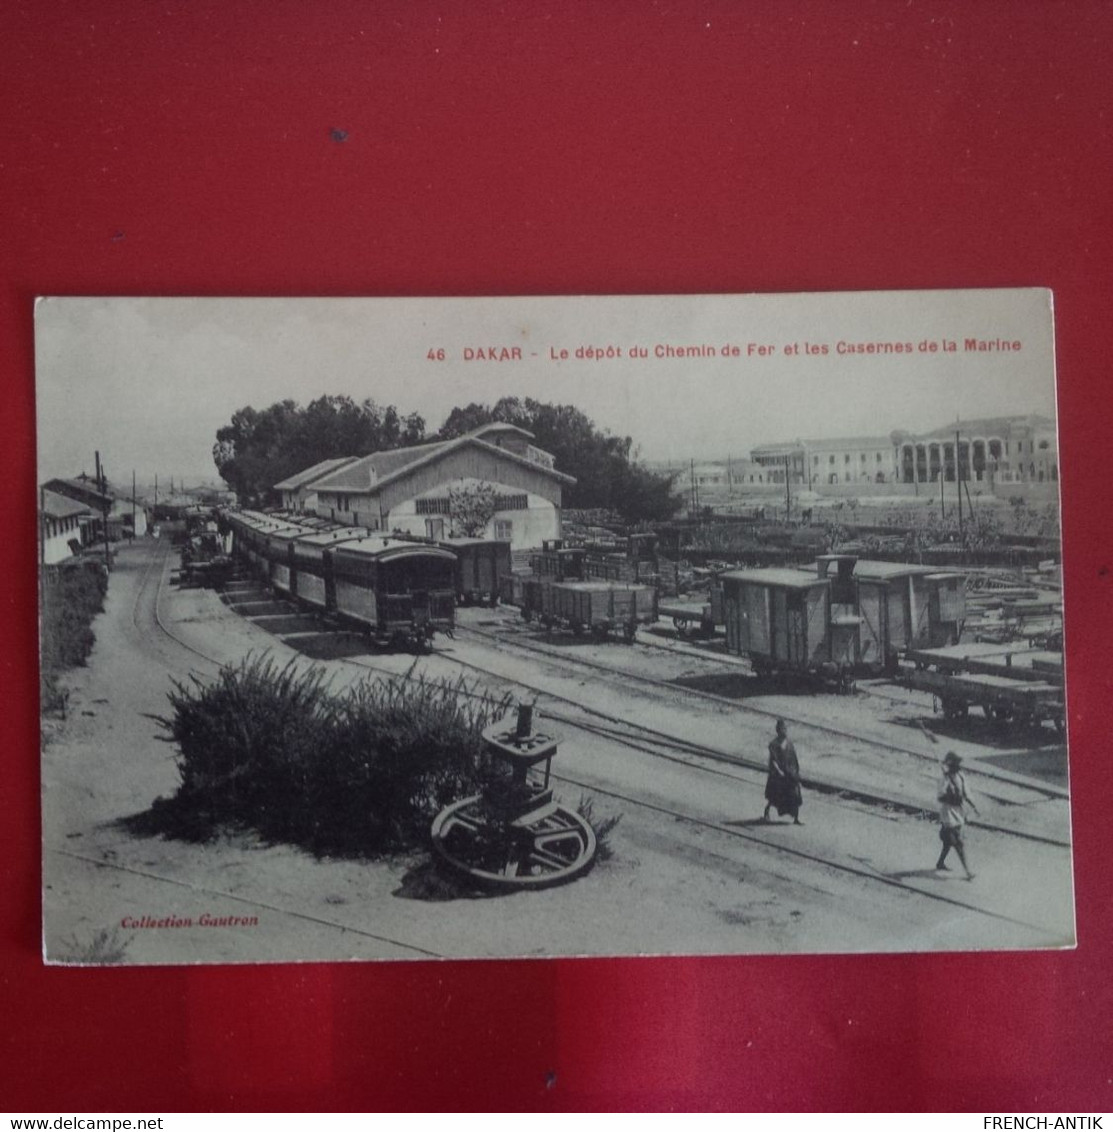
(56,506)
(83,490)
(380,468)
(369,471)
(305,478)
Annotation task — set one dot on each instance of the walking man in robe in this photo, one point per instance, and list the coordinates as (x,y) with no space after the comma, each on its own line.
(953,801)
(782,786)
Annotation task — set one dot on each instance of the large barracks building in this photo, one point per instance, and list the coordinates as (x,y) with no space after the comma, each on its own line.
(990,450)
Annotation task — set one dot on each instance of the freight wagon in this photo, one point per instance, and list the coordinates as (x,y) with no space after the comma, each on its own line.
(481,564)
(1009,683)
(596,607)
(846,617)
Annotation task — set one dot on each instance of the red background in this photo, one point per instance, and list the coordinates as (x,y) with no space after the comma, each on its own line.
(537,148)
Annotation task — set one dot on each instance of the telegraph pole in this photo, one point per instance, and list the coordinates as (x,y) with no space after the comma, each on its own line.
(102,485)
(958,485)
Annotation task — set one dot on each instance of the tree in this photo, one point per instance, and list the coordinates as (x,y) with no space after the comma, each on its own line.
(606,469)
(262,447)
(471,507)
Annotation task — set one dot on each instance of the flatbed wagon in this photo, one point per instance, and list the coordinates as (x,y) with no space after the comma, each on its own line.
(1008,685)
(1016,660)
(689,616)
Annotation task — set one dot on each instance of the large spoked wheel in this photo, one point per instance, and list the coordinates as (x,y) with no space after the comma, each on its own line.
(558,848)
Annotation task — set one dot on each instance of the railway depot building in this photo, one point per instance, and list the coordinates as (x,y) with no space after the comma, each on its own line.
(408,489)
(1009,450)
(299,492)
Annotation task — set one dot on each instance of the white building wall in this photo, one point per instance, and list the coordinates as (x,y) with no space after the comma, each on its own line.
(351,508)
(529,527)
(58,535)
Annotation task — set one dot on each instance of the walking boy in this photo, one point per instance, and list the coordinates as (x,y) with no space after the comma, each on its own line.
(952,814)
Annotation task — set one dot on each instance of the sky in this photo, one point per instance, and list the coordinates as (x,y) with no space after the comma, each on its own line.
(148,382)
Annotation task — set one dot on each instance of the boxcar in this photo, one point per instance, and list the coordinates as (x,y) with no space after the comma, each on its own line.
(779,618)
(850,615)
(394,589)
(481,564)
(904,606)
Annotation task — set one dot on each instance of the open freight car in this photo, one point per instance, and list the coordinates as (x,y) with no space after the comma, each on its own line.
(593,606)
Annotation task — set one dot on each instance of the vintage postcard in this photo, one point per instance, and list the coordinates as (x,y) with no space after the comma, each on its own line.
(550,626)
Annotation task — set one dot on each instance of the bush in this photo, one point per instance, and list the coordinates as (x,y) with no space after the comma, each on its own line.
(272,749)
(249,741)
(71,599)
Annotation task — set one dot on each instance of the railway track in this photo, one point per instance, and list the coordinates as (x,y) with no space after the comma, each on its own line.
(875,687)
(673,688)
(249,902)
(661,745)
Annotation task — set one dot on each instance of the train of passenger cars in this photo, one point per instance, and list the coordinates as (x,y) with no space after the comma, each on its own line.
(397,590)
(401,587)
